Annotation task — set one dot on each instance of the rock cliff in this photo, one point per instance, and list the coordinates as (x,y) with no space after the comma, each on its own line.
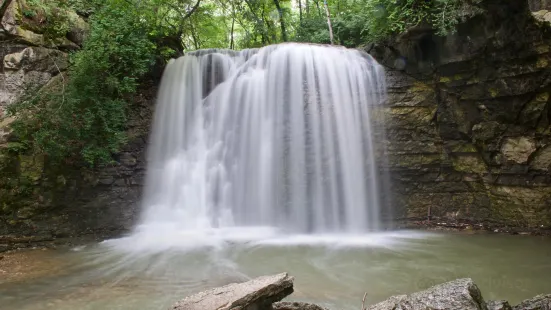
(40,203)
(30,55)
(468,119)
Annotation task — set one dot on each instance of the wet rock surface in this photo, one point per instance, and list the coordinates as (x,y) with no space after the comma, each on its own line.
(257,294)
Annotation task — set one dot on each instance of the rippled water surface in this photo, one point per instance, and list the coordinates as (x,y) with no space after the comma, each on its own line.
(334,271)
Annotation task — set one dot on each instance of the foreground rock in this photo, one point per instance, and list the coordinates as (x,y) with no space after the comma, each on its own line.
(498,305)
(460,294)
(264,293)
(540,302)
(257,294)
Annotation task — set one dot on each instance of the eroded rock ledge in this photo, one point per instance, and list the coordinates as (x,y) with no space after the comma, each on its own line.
(264,293)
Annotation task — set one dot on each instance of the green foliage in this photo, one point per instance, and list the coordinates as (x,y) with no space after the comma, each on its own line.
(385,18)
(17,147)
(313,30)
(358,21)
(47,17)
(85,119)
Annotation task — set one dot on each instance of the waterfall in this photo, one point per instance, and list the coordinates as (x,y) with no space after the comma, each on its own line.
(277,137)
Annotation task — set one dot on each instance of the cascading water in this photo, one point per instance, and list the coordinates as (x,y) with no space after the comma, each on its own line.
(277,137)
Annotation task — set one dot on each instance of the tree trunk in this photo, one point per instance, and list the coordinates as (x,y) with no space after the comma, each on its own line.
(281,21)
(194,35)
(231,35)
(263,34)
(270,32)
(328,21)
(300,10)
(318,7)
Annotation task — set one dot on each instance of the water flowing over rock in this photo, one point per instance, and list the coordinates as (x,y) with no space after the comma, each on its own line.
(259,294)
(280,136)
(454,105)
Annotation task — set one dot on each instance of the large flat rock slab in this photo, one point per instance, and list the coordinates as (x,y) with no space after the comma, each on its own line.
(256,294)
(461,294)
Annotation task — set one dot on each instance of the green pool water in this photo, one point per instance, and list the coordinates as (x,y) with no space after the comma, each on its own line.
(332,274)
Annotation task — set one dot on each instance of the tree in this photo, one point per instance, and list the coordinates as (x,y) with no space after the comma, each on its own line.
(281,21)
(328,21)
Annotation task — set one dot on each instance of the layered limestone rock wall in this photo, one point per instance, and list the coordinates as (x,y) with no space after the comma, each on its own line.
(40,204)
(468,119)
(30,57)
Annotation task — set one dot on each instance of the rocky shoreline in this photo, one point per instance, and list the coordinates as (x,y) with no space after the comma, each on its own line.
(466,226)
(266,293)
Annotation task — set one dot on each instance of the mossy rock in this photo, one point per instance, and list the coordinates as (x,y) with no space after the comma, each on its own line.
(31,167)
(471,163)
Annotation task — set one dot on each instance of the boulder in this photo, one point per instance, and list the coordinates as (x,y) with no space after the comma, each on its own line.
(498,305)
(518,149)
(257,294)
(295,305)
(540,302)
(461,294)
(539,4)
(79,29)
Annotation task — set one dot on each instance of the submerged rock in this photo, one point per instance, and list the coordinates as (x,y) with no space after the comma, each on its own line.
(461,294)
(295,305)
(540,302)
(498,305)
(258,294)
